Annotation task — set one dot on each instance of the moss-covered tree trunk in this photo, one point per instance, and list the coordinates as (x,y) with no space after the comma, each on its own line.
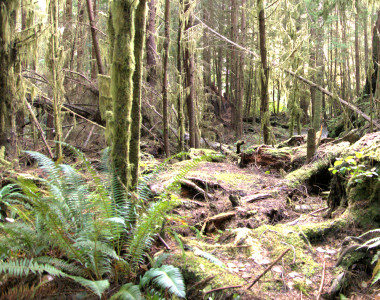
(151,47)
(189,63)
(123,66)
(165,79)
(7,59)
(134,153)
(180,121)
(55,63)
(264,108)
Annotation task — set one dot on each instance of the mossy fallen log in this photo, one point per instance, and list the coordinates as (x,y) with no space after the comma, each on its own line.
(265,156)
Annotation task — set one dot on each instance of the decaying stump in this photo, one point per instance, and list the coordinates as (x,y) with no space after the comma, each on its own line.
(265,156)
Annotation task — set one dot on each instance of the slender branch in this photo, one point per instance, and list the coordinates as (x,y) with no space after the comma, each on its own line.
(38,127)
(322,281)
(268,268)
(223,288)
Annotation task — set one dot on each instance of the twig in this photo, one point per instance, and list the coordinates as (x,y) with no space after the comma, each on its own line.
(268,268)
(322,281)
(317,211)
(224,288)
(163,242)
(89,137)
(202,282)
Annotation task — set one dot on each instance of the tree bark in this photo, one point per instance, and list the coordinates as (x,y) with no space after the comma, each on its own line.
(94,37)
(151,47)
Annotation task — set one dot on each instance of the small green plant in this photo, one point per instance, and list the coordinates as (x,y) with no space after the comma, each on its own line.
(353,169)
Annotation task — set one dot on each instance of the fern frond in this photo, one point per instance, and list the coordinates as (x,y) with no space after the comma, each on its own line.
(372,243)
(128,291)
(47,165)
(377,230)
(166,277)
(209,257)
(158,261)
(142,236)
(61,264)
(24,267)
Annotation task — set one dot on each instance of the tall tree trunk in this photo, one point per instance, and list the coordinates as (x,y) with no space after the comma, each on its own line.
(151,47)
(181,123)
(357,57)
(234,66)
(81,40)
(189,64)
(165,79)
(7,59)
(264,105)
(366,51)
(95,41)
(55,63)
(206,47)
(240,68)
(134,153)
(123,67)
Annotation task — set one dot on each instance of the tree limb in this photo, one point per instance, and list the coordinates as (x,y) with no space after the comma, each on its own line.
(326,92)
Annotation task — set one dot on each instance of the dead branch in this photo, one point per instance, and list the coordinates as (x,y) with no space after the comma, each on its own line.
(326,92)
(223,288)
(202,282)
(268,268)
(38,126)
(163,242)
(193,186)
(322,281)
(254,198)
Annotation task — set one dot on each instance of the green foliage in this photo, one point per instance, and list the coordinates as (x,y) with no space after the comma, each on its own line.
(101,231)
(128,292)
(166,277)
(353,169)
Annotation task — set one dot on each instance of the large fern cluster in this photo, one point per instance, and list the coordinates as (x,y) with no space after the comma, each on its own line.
(89,231)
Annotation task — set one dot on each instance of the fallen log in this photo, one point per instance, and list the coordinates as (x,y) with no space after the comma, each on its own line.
(295,140)
(253,198)
(265,156)
(198,191)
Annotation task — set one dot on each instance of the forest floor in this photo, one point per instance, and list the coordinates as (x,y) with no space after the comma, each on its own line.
(245,239)
(228,236)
